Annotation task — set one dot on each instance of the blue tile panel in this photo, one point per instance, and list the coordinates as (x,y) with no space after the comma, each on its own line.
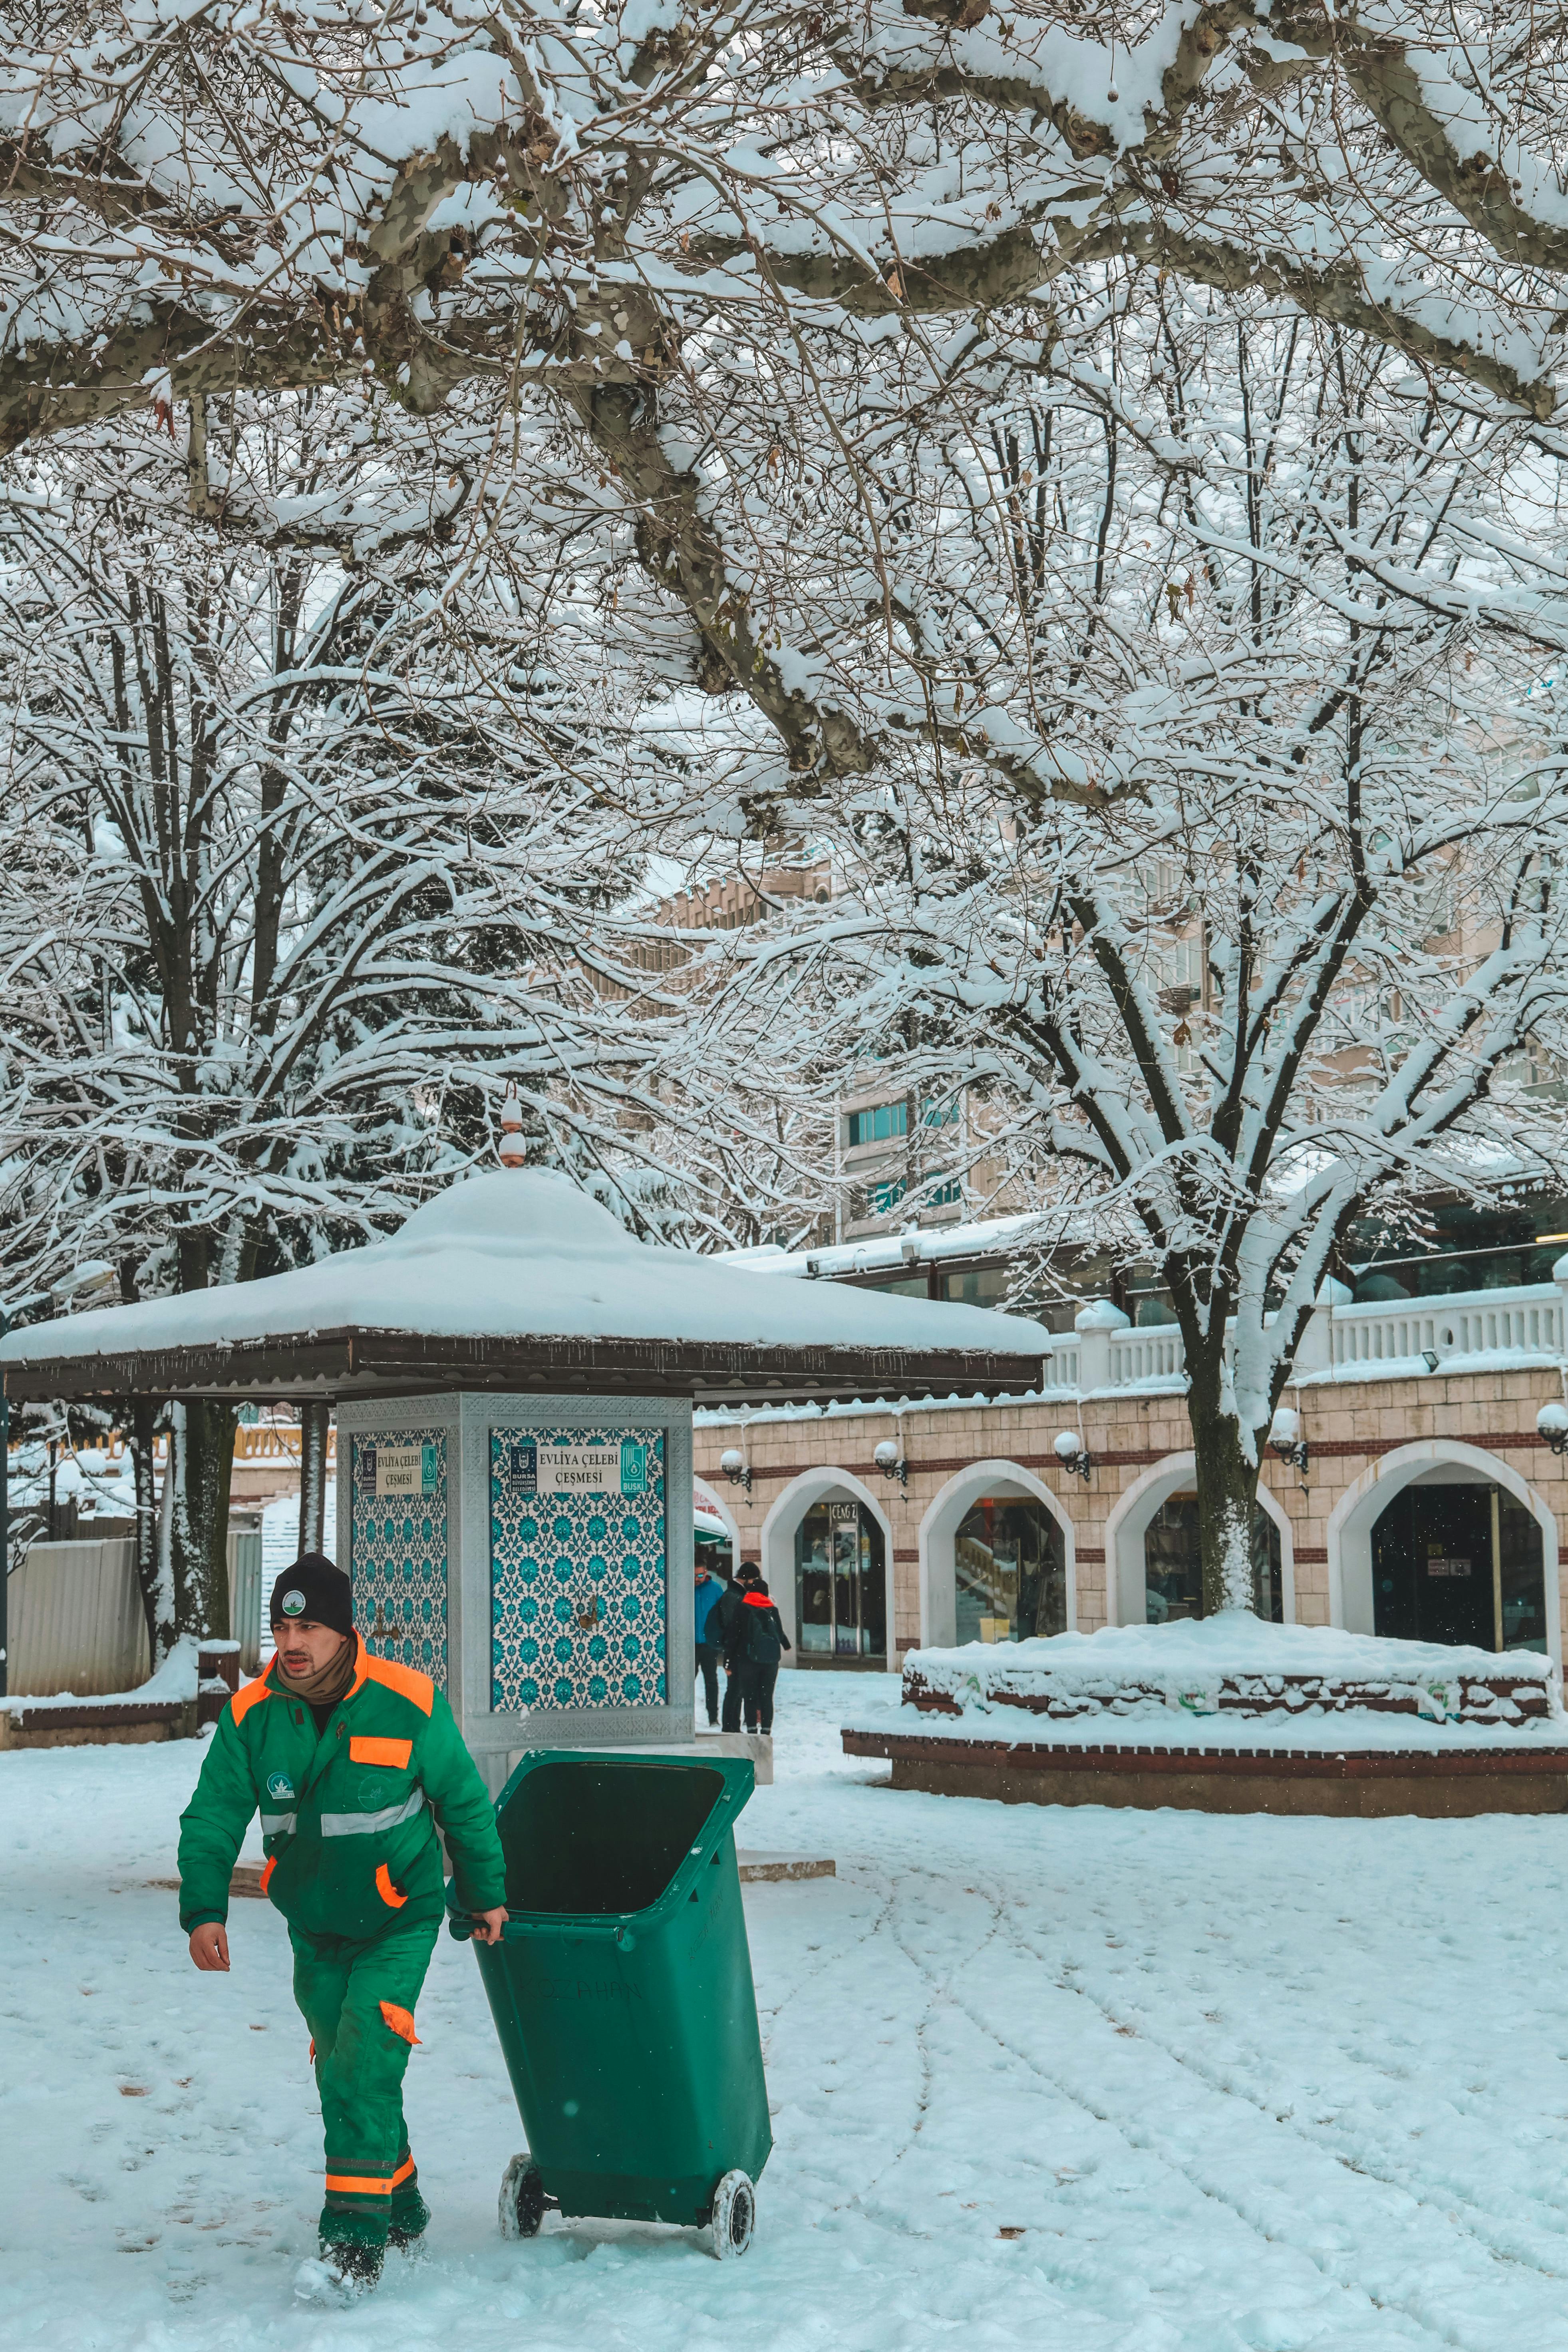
(397,1556)
(577,1580)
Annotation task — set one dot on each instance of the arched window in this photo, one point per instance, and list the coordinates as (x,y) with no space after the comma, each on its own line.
(1173,1569)
(1009,1571)
(841,1584)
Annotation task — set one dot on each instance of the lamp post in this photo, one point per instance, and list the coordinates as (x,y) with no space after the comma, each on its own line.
(1551,1422)
(736,1467)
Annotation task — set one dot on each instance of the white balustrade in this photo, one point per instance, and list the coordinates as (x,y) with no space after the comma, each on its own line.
(1155,1353)
(1466,1323)
(1393,1338)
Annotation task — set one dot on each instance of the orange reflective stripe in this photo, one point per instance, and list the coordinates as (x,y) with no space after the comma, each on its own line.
(402,2171)
(357,2184)
(267,1867)
(312,2049)
(403,1679)
(401,2022)
(380,1751)
(387,1892)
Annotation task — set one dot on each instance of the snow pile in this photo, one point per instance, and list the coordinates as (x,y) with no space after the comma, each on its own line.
(174,1684)
(1279,1677)
(102,1485)
(525,1253)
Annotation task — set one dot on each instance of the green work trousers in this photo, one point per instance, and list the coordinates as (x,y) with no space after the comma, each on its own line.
(358,1998)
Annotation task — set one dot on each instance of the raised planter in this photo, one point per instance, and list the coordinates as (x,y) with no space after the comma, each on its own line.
(169,1705)
(1151,1716)
(127,1723)
(1234,1666)
(1365,1783)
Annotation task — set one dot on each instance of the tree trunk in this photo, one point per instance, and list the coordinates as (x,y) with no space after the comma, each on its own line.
(1228,1492)
(157,1592)
(314,1420)
(193,1524)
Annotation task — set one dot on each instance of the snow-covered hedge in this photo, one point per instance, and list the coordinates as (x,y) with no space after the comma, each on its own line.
(1234,1665)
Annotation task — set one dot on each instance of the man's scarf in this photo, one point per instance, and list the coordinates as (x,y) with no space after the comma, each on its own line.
(328,1683)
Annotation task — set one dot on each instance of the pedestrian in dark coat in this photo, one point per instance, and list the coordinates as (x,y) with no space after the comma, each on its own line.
(758,1661)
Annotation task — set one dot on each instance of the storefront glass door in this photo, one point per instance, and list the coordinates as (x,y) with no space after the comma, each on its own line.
(840,1584)
(1459,1563)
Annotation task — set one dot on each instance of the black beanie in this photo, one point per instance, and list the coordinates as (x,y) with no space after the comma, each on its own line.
(315,1590)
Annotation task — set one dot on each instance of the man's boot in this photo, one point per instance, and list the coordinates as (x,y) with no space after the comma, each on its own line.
(410,2220)
(357,2265)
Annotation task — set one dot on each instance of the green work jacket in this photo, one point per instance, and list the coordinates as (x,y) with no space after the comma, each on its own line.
(348,1818)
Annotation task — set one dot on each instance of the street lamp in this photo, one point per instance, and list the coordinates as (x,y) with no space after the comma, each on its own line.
(889,1460)
(1285,1437)
(736,1467)
(1072,1453)
(1552,1423)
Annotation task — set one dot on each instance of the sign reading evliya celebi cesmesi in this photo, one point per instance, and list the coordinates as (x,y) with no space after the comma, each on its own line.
(539,1469)
(404,1469)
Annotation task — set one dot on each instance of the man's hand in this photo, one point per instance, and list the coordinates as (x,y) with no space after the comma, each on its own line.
(209,1945)
(487,1926)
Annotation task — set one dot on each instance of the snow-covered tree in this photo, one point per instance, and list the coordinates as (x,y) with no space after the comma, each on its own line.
(1225,855)
(314,823)
(655,216)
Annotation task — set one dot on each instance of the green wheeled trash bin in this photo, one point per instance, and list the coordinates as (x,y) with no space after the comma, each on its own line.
(621,1990)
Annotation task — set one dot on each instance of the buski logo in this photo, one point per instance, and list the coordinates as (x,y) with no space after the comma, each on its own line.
(292,1604)
(279,1784)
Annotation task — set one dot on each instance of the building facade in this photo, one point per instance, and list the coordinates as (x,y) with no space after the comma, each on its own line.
(1427,1506)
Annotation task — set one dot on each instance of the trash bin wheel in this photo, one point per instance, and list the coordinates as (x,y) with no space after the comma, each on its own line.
(734,2216)
(523,2203)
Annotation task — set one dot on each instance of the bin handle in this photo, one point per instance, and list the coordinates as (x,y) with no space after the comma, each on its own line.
(609,1924)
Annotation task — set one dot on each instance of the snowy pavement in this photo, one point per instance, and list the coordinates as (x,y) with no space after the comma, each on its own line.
(1236,2082)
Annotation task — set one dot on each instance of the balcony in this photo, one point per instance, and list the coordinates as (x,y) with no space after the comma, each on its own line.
(1468,1332)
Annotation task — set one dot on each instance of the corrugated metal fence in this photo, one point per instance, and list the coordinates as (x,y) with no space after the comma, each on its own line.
(76,1620)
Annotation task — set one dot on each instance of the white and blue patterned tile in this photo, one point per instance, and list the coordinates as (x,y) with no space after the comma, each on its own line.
(397,1560)
(577,1581)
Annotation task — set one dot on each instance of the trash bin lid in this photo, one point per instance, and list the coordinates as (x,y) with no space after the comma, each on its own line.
(595,1836)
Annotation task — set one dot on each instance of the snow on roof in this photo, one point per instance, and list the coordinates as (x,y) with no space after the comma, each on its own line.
(512,1255)
(883,1252)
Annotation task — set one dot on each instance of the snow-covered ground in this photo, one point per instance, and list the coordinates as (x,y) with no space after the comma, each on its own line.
(1239,2083)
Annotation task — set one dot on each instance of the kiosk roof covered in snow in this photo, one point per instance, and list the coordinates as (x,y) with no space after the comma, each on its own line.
(518,1280)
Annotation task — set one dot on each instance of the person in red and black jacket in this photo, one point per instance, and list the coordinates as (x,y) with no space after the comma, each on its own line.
(761,1643)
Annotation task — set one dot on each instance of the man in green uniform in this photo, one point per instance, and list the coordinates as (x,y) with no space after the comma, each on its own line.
(352,1761)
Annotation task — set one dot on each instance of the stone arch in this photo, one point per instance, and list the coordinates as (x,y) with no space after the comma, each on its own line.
(1351,1520)
(1128,1521)
(939,1526)
(777,1540)
(710,1495)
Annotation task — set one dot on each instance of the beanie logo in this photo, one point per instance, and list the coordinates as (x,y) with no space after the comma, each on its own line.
(280,1785)
(292,1604)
